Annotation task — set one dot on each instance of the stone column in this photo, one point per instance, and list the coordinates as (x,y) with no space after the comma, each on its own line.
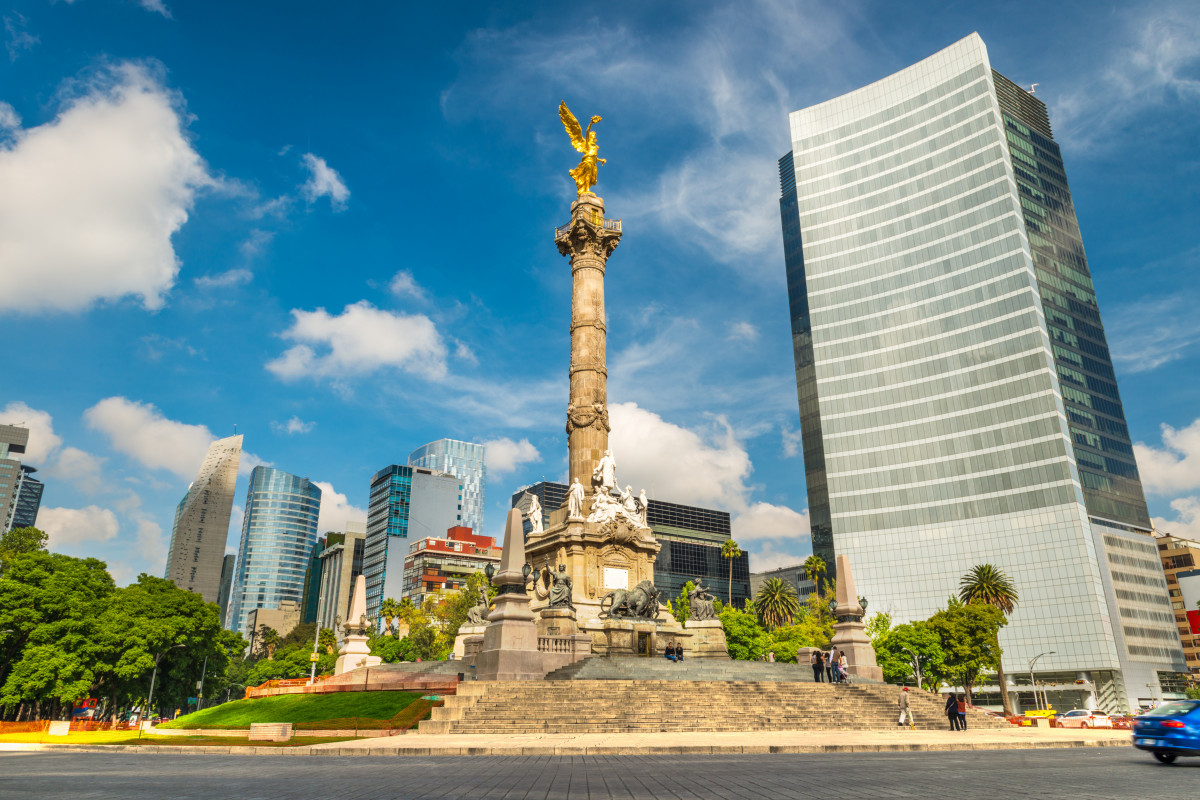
(589,240)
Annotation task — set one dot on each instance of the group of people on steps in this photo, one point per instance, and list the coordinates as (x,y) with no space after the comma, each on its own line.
(829,666)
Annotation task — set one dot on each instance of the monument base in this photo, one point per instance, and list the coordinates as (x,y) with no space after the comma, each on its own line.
(850,636)
(626,636)
(557,622)
(355,653)
(460,641)
(708,639)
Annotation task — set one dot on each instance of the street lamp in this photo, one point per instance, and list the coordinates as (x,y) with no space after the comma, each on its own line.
(154,675)
(1033,661)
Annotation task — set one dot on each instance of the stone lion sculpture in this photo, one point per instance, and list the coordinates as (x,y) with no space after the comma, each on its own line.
(640,602)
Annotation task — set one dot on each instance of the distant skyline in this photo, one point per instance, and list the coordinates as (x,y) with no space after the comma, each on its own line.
(332,227)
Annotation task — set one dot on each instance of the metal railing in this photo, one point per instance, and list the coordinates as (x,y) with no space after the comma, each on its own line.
(606,224)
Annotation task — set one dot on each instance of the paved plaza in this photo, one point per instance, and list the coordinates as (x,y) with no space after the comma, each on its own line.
(1065,773)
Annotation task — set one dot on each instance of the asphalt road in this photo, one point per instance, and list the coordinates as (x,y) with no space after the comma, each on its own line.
(1092,773)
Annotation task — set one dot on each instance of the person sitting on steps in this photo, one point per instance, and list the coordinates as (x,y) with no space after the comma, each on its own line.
(670,651)
(678,652)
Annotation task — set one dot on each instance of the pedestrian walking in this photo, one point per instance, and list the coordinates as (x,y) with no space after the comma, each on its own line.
(771,656)
(843,666)
(962,712)
(818,665)
(830,664)
(905,712)
(952,711)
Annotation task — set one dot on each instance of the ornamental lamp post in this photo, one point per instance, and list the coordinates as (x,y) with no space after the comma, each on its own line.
(1033,661)
(153,676)
(489,570)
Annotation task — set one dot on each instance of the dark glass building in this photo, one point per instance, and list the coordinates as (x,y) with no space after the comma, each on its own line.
(28,499)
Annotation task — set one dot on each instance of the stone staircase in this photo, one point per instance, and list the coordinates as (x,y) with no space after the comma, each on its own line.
(621,668)
(648,706)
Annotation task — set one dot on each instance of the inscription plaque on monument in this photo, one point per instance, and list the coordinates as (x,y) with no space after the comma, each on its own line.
(615,578)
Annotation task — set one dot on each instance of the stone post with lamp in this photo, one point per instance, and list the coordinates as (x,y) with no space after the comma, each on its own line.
(849,633)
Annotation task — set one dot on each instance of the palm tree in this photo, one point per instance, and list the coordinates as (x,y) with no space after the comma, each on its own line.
(815,568)
(986,585)
(327,639)
(777,602)
(388,609)
(730,551)
(268,639)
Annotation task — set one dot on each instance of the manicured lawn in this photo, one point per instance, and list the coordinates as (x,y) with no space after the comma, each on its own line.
(328,711)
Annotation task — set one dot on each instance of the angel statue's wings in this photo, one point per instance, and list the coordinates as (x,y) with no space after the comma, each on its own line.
(572,125)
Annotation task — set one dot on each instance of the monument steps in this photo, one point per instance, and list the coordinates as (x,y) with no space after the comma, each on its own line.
(605,706)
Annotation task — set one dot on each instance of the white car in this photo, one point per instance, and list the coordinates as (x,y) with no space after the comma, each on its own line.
(1081,718)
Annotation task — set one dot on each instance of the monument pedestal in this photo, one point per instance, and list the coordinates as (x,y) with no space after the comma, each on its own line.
(557,622)
(510,641)
(465,632)
(355,653)
(849,633)
(708,639)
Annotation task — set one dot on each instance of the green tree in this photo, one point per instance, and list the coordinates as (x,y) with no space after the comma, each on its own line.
(895,649)
(744,637)
(268,640)
(388,610)
(816,619)
(786,641)
(986,585)
(19,541)
(967,633)
(453,607)
(327,640)
(777,602)
(681,608)
(815,568)
(730,551)
(878,624)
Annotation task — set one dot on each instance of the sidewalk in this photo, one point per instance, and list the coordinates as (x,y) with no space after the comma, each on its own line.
(651,743)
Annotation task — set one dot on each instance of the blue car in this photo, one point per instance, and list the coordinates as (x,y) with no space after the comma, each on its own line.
(1169,731)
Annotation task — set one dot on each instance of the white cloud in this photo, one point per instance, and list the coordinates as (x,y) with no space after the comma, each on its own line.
(9,118)
(82,469)
(505,455)
(324,181)
(72,526)
(140,430)
(1187,521)
(743,332)
(17,39)
(1156,67)
(1147,333)
(682,466)
(792,441)
(768,558)
(1175,467)
(255,243)
(225,280)
(360,340)
(42,439)
(403,284)
(292,426)
(336,510)
(156,6)
(89,201)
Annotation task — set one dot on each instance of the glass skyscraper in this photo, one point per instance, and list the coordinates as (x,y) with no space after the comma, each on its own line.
(278,534)
(405,503)
(957,399)
(465,461)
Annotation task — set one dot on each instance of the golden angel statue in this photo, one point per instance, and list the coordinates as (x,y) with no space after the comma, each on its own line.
(585,142)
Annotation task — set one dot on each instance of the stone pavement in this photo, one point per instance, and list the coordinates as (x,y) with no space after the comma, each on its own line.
(1056,774)
(645,744)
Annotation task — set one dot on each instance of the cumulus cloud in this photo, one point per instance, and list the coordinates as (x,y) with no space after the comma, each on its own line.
(225,280)
(293,426)
(90,200)
(141,431)
(743,332)
(9,118)
(403,284)
(1187,519)
(504,455)
(82,469)
(360,340)
(68,527)
(336,510)
(710,470)
(792,441)
(323,181)
(43,441)
(1174,467)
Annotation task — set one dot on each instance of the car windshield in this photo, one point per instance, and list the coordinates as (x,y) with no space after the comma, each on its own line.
(1172,709)
(1076,713)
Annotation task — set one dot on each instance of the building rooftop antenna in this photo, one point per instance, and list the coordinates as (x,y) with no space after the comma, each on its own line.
(1033,88)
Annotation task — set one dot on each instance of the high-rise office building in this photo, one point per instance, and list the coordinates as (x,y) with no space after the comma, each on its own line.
(278,533)
(228,565)
(341,564)
(201,528)
(406,503)
(28,499)
(13,440)
(465,461)
(691,539)
(957,399)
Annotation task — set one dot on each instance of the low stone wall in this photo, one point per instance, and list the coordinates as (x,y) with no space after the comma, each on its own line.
(324,733)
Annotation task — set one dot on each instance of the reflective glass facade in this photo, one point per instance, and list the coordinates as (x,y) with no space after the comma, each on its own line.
(465,461)
(939,421)
(29,499)
(278,534)
(405,502)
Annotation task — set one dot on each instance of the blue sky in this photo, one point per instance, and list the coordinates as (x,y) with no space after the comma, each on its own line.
(330,224)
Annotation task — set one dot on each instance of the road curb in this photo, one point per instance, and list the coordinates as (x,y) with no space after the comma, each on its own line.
(559,750)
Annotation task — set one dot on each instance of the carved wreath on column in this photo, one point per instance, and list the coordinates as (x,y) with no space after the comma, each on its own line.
(586,417)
